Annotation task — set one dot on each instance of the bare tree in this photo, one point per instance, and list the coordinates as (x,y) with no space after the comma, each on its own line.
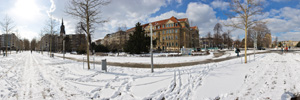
(217,36)
(276,41)
(7,27)
(79,30)
(261,30)
(243,16)
(51,29)
(89,12)
(208,35)
(26,44)
(33,44)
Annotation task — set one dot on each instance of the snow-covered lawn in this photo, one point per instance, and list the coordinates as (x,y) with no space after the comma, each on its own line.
(143,60)
(36,76)
(157,60)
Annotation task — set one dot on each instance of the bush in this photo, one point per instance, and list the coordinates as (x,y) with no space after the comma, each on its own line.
(101,48)
(298,44)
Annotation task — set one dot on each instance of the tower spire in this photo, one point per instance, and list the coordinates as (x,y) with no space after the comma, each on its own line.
(62,22)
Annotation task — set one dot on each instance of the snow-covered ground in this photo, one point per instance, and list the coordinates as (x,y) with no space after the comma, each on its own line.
(144,60)
(157,60)
(36,76)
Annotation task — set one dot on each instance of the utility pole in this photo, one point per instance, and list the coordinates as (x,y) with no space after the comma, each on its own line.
(64,46)
(151,48)
(255,43)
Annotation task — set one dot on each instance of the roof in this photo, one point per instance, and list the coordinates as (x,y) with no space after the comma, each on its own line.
(194,27)
(161,22)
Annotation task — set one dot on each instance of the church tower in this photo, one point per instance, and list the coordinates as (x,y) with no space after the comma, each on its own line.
(62,28)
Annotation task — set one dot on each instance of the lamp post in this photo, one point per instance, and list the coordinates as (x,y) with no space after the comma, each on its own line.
(151,48)
(64,46)
(255,43)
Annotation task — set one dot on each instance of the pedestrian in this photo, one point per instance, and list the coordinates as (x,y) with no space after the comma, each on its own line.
(286,48)
(289,47)
(31,51)
(237,51)
(281,49)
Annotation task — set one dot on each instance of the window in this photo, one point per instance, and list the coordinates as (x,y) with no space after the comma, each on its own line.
(175,24)
(163,32)
(176,43)
(172,31)
(172,44)
(154,33)
(163,26)
(176,31)
(167,44)
(167,31)
(169,38)
(163,38)
(176,37)
(158,27)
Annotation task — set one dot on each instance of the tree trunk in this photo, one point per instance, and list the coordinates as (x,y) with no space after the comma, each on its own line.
(87,42)
(246,43)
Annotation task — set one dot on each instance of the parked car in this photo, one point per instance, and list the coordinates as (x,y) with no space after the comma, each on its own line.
(261,48)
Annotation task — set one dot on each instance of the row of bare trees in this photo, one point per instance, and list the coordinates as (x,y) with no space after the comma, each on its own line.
(220,40)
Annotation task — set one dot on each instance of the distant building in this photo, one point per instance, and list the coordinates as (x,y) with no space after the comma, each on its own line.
(11,41)
(172,34)
(206,42)
(115,40)
(289,43)
(73,43)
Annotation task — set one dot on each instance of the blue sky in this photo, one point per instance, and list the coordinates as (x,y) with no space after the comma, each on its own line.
(30,16)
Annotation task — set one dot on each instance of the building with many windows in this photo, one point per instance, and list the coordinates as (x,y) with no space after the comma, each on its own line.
(172,34)
(11,42)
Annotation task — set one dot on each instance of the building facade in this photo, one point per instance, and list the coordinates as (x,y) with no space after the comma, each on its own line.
(172,34)
(72,41)
(289,43)
(206,42)
(115,40)
(11,42)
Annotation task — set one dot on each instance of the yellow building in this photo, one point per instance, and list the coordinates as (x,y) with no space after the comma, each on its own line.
(289,43)
(172,34)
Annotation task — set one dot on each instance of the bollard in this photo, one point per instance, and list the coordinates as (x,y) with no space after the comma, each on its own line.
(83,62)
(94,62)
(104,65)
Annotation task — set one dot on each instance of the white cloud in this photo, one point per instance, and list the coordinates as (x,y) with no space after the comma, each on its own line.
(52,8)
(220,4)
(287,19)
(201,15)
(289,36)
(127,12)
(280,0)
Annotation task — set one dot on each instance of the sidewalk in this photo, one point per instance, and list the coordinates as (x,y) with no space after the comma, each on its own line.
(139,65)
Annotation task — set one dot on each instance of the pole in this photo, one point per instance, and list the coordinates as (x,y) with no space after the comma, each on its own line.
(255,44)
(151,48)
(64,49)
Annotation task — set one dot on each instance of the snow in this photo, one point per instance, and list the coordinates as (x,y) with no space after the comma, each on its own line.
(143,60)
(37,76)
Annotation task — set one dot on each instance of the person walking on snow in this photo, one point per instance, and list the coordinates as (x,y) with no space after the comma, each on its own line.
(237,51)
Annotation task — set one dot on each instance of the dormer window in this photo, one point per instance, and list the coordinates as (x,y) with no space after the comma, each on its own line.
(176,24)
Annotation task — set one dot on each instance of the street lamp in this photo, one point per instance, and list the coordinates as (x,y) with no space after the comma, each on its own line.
(151,48)
(64,46)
